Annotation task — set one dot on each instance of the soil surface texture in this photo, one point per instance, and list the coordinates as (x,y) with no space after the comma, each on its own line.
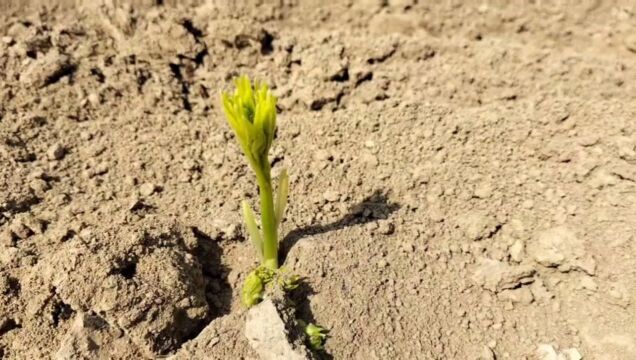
(462,176)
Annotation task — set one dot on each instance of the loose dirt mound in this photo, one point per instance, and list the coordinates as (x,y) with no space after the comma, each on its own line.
(463,178)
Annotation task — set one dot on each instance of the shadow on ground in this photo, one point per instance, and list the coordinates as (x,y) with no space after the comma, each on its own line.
(374,207)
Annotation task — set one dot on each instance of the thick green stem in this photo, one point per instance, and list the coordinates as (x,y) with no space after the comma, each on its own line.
(268,219)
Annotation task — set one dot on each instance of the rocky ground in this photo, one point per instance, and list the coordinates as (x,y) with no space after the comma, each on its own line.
(463,177)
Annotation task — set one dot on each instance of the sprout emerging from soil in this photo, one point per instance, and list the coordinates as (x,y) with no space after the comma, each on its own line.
(251,112)
(316,335)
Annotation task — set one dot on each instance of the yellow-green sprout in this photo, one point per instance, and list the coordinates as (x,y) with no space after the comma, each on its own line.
(251,112)
(316,335)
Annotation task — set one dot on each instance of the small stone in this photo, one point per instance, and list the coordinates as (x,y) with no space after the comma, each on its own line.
(630,43)
(382,263)
(39,185)
(190,164)
(547,352)
(539,291)
(56,152)
(266,332)
(19,229)
(496,276)
(588,283)
(80,340)
(386,227)
(572,354)
(483,191)
(369,144)
(331,195)
(322,155)
(587,265)
(476,225)
(557,247)
(516,251)
(7,40)
(521,295)
(436,214)
(486,354)
(147,189)
(370,159)
(94,99)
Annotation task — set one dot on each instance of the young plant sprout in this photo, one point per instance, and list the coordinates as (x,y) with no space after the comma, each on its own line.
(251,112)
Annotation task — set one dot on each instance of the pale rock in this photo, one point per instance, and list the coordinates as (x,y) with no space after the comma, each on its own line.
(588,283)
(267,334)
(486,354)
(483,191)
(80,341)
(547,352)
(560,247)
(147,189)
(331,195)
(571,354)
(386,227)
(516,251)
(521,295)
(55,152)
(476,225)
(539,291)
(496,276)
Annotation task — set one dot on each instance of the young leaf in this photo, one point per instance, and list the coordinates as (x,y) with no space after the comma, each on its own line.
(252,292)
(281,196)
(252,228)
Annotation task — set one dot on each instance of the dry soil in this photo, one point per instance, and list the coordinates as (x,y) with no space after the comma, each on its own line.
(463,176)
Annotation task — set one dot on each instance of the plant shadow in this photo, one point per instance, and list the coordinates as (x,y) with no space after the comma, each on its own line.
(374,207)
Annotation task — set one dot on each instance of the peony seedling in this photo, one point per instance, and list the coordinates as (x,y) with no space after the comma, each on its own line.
(251,113)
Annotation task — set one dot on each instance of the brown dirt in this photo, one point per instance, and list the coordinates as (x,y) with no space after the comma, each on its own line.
(463,177)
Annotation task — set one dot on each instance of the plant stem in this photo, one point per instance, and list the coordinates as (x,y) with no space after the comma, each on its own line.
(268,218)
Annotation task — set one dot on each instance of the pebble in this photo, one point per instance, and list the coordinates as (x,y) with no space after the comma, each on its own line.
(20,229)
(382,263)
(39,185)
(436,214)
(7,40)
(322,155)
(486,353)
(483,191)
(476,225)
(496,276)
(516,251)
(94,99)
(630,43)
(331,195)
(588,283)
(147,189)
(386,227)
(572,354)
(190,164)
(547,352)
(539,291)
(56,152)
(266,332)
(557,247)
(527,204)
(522,295)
